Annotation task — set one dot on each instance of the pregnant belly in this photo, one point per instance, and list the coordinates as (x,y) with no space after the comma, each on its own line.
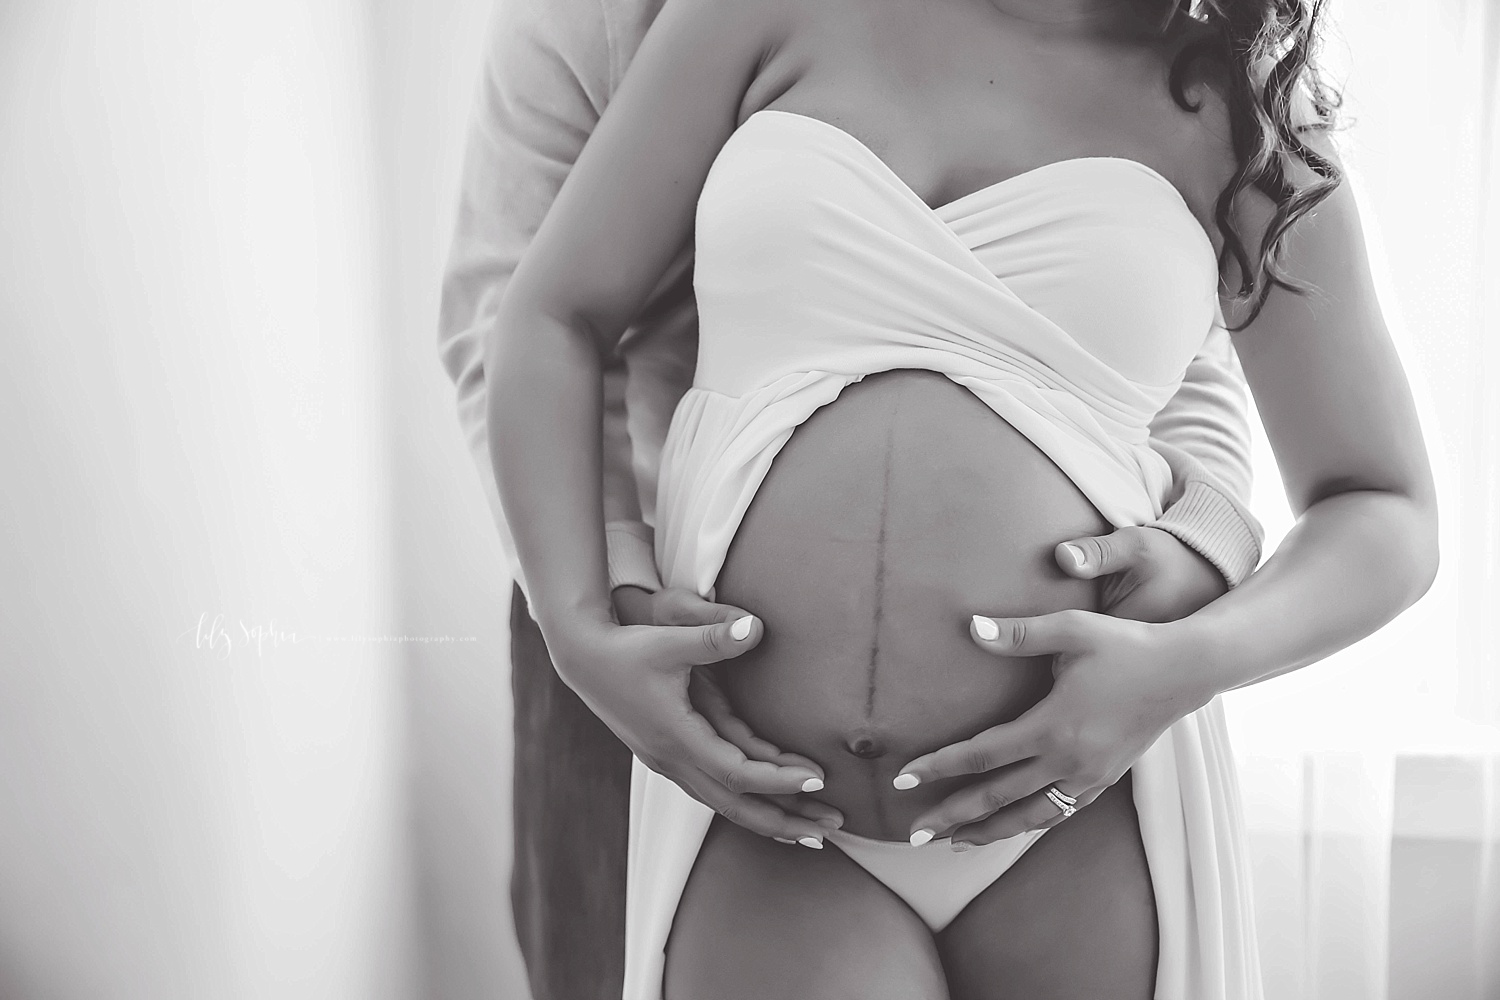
(891,517)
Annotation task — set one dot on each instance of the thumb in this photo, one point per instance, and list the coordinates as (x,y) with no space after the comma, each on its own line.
(680,606)
(705,644)
(1043,635)
(1099,555)
(707,612)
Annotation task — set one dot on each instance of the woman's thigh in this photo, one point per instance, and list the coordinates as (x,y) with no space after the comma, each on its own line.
(1074,919)
(766,921)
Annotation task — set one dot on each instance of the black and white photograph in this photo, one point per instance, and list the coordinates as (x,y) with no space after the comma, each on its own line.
(756,500)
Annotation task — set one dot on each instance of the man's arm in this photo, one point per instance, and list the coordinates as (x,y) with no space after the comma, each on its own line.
(1206,540)
(544,84)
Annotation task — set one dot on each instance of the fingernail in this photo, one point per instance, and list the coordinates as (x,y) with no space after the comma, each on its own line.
(904,781)
(986,628)
(781,840)
(812,785)
(831,823)
(921,837)
(740,630)
(1078,558)
(960,846)
(812,842)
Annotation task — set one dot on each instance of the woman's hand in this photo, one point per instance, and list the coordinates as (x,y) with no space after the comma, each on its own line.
(1081,741)
(709,698)
(636,677)
(1118,686)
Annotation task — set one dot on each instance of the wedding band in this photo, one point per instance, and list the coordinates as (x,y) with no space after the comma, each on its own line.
(1058,795)
(1066,803)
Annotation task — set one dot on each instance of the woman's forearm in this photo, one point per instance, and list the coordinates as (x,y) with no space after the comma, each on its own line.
(544,411)
(1352,563)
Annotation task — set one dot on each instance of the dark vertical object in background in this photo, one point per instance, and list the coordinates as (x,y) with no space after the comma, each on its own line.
(572,820)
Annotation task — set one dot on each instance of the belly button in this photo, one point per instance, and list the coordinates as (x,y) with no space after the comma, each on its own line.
(865,748)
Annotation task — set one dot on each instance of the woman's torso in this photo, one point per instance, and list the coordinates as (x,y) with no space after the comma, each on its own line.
(907,505)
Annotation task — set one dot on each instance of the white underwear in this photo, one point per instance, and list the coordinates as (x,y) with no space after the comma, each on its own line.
(935,880)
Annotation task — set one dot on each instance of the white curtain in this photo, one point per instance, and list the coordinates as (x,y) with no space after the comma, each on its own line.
(202,773)
(1372,780)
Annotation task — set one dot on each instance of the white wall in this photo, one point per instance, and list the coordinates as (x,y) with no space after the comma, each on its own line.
(191,424)
(449,565)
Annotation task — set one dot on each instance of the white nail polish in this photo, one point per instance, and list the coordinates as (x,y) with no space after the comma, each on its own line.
(740,630)
(986,628)
(921,837)
(812,842)
(959,846)
(1076,553)
(813,785)
(905,781)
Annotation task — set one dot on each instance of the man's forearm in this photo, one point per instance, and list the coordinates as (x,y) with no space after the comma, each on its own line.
(1206,517)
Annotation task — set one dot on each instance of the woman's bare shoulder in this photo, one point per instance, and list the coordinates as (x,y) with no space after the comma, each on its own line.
(744,42)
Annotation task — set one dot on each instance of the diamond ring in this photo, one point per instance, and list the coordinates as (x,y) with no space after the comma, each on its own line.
(1064,802)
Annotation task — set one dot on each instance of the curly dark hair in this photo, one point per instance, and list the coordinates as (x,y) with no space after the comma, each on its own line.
(1267,50)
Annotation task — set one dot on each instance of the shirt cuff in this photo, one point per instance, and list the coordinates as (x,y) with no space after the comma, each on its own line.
(631,550)
(1216,527)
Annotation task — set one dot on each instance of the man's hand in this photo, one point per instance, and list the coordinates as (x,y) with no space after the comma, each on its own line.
(1117,686)
(637,676)
(1150,575)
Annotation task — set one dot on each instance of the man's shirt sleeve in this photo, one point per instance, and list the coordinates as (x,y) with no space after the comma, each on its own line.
(1204,434)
